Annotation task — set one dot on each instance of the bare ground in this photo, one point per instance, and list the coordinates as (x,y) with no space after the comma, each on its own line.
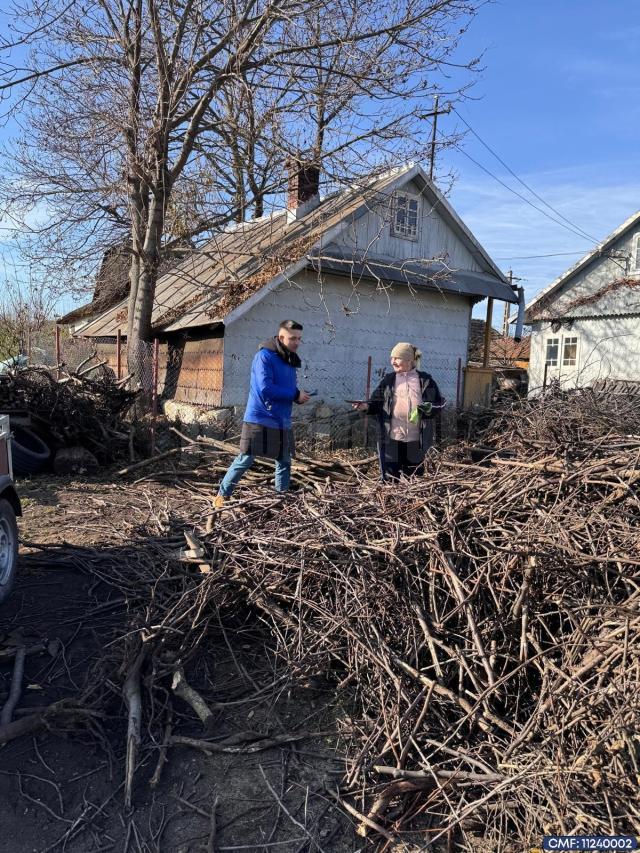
(64,790)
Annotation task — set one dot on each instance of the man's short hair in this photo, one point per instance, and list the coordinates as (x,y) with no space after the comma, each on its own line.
(290,326)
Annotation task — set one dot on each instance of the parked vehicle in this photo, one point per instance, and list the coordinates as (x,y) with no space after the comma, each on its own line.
(9,509)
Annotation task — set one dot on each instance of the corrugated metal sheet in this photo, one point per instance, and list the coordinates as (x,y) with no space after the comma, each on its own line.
(430,275)
(198,373)
(207,285)
(191,293)
(188,371)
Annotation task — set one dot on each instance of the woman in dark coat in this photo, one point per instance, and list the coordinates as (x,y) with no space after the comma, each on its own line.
(406,403)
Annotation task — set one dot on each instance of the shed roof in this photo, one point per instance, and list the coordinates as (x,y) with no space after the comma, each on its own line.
(475,349)
(111,286)
(239,262)
(535,308)
(502,350)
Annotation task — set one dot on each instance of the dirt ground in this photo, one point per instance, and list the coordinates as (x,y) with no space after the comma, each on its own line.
(63,790)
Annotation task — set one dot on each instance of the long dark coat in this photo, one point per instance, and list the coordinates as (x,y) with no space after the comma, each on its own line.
(381,405)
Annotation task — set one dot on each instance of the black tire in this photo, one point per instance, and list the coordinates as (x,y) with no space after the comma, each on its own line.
(29,452)
(8,548)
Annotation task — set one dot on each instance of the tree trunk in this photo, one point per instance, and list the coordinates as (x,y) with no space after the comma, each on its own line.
(139,354)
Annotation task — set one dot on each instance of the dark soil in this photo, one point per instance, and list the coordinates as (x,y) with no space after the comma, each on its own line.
(63,790)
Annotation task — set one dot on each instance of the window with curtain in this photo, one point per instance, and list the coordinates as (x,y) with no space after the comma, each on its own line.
(570,352)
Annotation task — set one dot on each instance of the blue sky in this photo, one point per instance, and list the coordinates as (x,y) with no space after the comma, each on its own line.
(559,101)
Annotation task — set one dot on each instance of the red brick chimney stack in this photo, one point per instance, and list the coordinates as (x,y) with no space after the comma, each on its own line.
(303,188)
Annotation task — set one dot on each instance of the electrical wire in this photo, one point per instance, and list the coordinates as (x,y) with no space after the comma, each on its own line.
(516,193)
(534,257)
(519,179)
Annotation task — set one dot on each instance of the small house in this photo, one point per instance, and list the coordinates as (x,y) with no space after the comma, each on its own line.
(586,323)
(385,261)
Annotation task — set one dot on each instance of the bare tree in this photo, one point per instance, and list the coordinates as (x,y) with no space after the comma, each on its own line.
(137,113)
(26,310)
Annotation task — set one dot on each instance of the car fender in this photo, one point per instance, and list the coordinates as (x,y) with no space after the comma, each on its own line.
(8,492)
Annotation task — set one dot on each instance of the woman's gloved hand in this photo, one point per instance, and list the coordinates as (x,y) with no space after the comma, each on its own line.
(423,409)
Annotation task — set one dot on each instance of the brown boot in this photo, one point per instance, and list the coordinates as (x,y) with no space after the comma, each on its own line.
(218,503)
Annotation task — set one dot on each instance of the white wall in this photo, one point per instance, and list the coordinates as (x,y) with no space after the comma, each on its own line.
(371,234)
(342,327)
(614,265)
(608,348)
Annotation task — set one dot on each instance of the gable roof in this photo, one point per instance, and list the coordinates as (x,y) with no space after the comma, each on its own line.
(240,264)
(505,351)
(533,308)
(111,285)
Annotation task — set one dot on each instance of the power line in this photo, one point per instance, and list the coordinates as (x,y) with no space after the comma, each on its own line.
(519,195)
(532,257)
(519,179)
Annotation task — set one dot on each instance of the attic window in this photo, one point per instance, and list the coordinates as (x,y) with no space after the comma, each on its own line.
(405,210)
(635,257)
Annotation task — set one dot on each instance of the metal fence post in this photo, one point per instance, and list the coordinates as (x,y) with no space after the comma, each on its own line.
(119,354)
(367,396)
(458,383)
(58,353)
(154,393)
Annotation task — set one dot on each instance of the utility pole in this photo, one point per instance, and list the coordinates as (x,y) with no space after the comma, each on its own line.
(436,112)
(507,306)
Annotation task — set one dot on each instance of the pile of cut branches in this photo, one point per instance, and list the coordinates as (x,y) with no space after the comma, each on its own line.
(483,621)
(74,409)
(565,422)
(480,627)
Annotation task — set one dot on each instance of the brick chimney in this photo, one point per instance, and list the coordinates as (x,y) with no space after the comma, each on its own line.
(303,188)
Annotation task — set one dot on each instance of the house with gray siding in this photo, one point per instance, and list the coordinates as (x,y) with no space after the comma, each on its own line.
(381,262)
(586,323)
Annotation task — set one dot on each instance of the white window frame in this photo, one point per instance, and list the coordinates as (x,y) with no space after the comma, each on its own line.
(404,231)
(551,340)
(635,253)
(569,339)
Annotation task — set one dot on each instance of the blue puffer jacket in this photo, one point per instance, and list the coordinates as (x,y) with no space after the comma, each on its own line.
(273,386)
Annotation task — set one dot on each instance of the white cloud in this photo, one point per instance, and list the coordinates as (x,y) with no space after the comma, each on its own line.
(511,230)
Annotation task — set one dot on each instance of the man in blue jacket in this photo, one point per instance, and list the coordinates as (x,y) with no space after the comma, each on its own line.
(266,426)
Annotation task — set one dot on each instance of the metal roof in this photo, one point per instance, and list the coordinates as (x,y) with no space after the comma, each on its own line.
(433,275)
(593,255)
(239,263)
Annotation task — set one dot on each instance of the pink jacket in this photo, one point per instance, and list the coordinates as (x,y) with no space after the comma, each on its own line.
(407,396)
